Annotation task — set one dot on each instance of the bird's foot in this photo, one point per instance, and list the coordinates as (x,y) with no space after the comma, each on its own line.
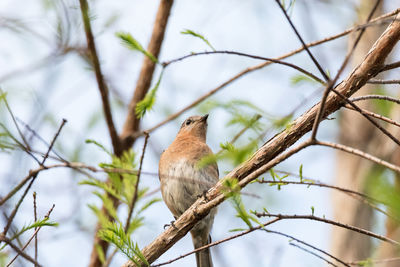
(170,224)
(204,195)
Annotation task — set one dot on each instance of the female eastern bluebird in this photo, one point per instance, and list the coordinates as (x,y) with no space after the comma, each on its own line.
(183,181)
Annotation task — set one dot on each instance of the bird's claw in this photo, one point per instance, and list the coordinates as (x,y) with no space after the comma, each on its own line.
(170,224)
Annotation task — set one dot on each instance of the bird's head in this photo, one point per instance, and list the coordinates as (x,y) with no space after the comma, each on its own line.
(196,126)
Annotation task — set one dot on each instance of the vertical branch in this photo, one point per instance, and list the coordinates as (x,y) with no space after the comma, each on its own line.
(302,42)
(132,122)
(35,218)
(99,77)
(135,195)
(146,74)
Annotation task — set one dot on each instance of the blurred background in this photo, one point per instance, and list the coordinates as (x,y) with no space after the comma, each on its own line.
(46,79)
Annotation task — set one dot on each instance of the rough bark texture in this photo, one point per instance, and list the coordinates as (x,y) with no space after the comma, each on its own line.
(132,122)
(268,155)
(351,171)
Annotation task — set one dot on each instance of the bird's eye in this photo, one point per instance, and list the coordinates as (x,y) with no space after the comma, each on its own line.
(188,122)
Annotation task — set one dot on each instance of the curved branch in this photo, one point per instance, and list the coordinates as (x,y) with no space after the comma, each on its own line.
(271,60)
(315,218)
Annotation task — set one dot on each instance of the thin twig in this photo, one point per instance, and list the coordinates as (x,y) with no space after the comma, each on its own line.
(262,65)
(34,133)
(217,242)
(314,254)
(302,42)
(33,178)
(360,153)
(324,220)
(357,195)
(375,115)
(380,97)
(307,73)
(18,250)
(330,85)
(64,121)
(383,130)
(30,239)
(391,66)
(306,244)
(35,217)
(376,81)
(135,195)
(100,78)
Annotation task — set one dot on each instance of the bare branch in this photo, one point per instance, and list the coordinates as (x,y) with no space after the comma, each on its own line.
(33,178)
(382,129)
(374,115)
(391,66)
(18,250)
(216,243)
(381,97)
(324,220)
(360,153)
(376,81)
(100,78)
(30,239)
(331,83)
(314,254)
(302,42)
(272,60)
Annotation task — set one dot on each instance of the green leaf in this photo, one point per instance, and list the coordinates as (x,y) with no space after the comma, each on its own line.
(91,141)
(312,210)
(148,101)
(237,230)
(130,42)
(148,204)
(300,78)
(301,173)
(283,122)
(231,190)
(39,223)
(115,234)
(195,34)
(100,252)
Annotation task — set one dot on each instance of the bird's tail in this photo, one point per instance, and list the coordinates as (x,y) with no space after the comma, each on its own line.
(203,257)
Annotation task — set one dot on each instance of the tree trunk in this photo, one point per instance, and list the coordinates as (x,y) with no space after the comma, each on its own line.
(352,171)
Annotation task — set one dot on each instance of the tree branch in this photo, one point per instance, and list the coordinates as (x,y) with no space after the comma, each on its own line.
(262,65)
(100,78)
(132,122)
(146,74)
(271,152)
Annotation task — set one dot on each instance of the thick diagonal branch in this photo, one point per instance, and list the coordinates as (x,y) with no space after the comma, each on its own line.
(266,157)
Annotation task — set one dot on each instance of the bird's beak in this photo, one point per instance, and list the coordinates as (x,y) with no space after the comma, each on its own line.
(204,118)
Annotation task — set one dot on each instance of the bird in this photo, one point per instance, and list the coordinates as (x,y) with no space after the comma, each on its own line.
(183,180)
